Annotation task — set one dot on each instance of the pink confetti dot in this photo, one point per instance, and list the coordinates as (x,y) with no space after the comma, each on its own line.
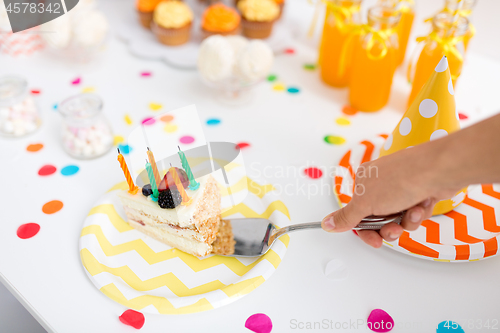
(186,139)
(462,116)
(259,323)
(242,145)
(289,51)
(28,230)
(380,321)
(148,121)
(313,172)
(145,74)
(47,170)
(76,81)
(133,318)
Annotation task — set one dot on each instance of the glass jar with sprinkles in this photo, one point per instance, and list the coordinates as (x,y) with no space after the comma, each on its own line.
(19,114)
(86,133)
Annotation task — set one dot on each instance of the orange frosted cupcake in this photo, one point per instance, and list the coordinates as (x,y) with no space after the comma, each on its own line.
(258,17)
(219,19)
(145,9)
(172,22)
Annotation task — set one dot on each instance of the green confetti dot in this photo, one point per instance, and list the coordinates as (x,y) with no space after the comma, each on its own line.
(272,78)
(334,140)
(309,67)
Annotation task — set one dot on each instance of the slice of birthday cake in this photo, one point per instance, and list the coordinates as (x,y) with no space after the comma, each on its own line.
(174,214)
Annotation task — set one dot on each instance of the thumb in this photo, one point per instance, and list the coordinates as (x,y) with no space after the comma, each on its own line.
(343,219)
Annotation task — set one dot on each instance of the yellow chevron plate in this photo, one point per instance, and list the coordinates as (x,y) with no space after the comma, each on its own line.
(146,275)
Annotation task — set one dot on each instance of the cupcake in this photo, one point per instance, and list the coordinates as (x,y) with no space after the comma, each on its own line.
(258,17)
(172,22)
(145,9)
(219,19)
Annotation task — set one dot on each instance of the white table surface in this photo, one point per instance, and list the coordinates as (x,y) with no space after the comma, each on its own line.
(45,273)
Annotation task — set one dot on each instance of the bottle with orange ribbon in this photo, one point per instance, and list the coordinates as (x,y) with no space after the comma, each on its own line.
(375,58)
(342,17)
(446,39)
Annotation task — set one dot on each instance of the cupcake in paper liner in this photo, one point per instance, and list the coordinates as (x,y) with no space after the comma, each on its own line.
(258,17)
(172,21)
(219,19)
(145,10)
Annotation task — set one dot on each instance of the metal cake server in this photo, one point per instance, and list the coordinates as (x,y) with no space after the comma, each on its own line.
(255,236)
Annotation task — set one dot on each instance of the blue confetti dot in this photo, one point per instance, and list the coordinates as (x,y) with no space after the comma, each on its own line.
(293,90)
(69,170)
(449,326)
(125,149)
(213,121)
(55,106)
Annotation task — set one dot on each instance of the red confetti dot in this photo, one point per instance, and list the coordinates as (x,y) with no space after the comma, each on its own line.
(52,207)
(349,110)
(289,51)
(27,230)
(133,318)
(47,170)
(462,116)
(35,91)
(313,172)
(148,121)
(242,145)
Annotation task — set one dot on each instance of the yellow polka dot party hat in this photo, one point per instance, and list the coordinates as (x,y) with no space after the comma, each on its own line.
(431,116)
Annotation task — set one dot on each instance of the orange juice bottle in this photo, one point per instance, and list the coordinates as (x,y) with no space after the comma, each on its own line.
(446,38)
(374,60)
(407,10)
(342,16)
(466,11)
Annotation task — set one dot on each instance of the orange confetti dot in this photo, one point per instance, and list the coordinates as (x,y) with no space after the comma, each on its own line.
(34,147)
(349,110)
(167,118)
(52,207)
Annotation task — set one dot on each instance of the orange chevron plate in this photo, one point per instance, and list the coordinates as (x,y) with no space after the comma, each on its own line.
(146,275)
(470,232)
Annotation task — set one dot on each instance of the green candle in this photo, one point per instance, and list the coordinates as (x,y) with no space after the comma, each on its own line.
(152,181)
(193,184)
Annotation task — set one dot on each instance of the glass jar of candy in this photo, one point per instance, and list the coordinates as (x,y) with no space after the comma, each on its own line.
(86,133)
(19,114)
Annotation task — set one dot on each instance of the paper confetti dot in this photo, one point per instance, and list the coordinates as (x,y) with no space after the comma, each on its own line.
(313,172)
(35,91)
(271,78)
(148,121)
(47,170)
(167,118)
(55,106)
(309,67)
(462,116)
(242,145)
(293,90)
(449,326)
(52,207)
(349,110)
(336,270)
(88,89)
(146,74)
(27,230)
(34,147)
(132,318)
(289,51)
(342,121)
(118,139)
(69,170)
(380,321)
(186,139)
(334,140)
(213,121)
(170,128)
(259,323)
(279,87)
(155,106)
(76,81)
(125,149)
(127,119)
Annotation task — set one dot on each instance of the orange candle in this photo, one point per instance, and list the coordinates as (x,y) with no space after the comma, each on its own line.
(186,201)
(154,167)
(132,189)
